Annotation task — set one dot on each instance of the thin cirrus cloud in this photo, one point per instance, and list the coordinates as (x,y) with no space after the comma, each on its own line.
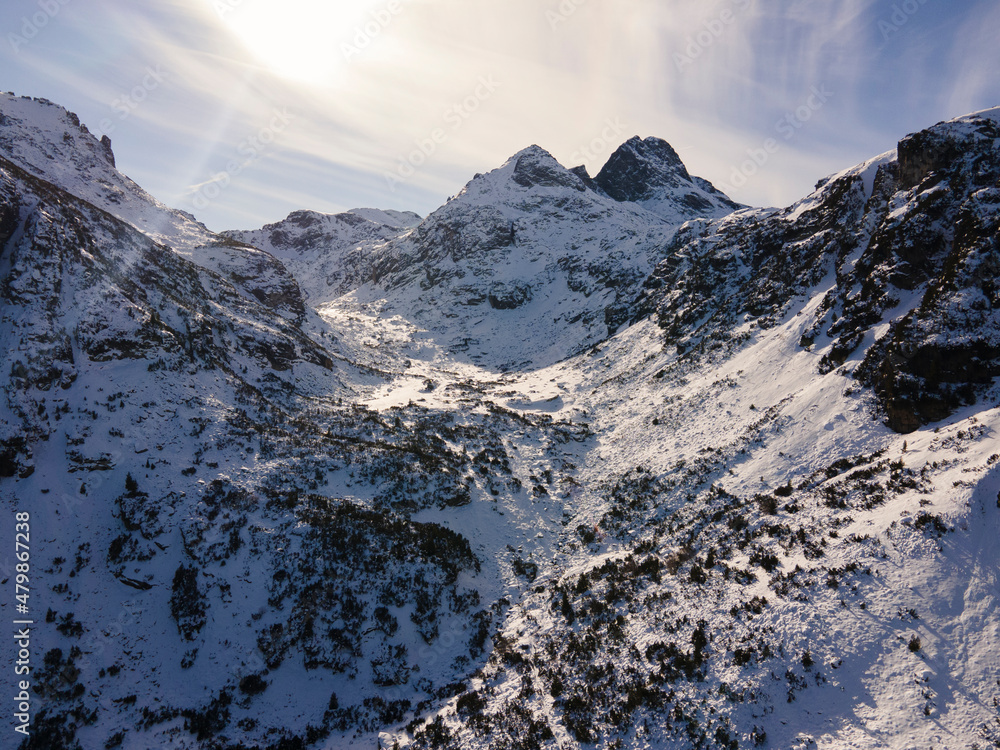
(975,60)
(397,103)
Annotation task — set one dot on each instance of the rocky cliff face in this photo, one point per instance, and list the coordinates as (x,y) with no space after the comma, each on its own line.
(649,172)
(944,244)
(908,240)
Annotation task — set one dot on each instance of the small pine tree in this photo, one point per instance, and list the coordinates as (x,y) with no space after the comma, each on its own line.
(698,574)
(699,639)
(131,486)
(567,609)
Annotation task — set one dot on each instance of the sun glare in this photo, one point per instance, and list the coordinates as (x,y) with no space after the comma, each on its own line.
(309,40)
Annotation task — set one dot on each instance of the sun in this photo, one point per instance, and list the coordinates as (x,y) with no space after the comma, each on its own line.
(308,40)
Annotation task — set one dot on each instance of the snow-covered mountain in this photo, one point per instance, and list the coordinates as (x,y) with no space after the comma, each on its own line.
(572,462)
(327,252)
(526,266)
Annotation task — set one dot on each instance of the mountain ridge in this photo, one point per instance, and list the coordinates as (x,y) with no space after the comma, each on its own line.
(523,241)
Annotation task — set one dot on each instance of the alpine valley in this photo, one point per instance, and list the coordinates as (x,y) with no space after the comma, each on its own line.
(573,462)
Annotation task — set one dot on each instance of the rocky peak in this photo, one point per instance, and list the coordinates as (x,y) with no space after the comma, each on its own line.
(303,218)
(649,172)
(106,146)
(638,167)
(936,149)
(52,144)
(49,140)
(584,175)
(534,166)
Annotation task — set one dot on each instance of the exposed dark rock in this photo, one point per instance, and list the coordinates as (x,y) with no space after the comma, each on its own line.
(13,453)
(108,153)
(132,583)
(649,172)
(943,240)
(584,175)
(9,217)
(937,149)
(638,167)
(509,296)
(536,167)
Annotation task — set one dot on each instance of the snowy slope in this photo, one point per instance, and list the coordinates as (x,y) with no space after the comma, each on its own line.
(325,251)
(846,575)
(548,468)
(52,145)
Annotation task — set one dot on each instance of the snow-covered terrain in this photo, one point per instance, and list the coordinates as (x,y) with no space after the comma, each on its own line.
(572,462)
(528,265)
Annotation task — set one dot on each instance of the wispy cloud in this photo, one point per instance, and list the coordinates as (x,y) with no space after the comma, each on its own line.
(974,61)
(564,69)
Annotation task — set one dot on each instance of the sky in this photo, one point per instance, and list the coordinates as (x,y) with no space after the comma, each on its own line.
(241,111)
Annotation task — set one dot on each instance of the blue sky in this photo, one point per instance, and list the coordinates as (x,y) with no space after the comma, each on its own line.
(241,111)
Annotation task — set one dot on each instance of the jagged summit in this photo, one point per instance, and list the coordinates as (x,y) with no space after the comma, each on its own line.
(51,143)
(638,167)
(537,167)
(530,168)
(39,134)
(649,172)
(528,247)
(54,169)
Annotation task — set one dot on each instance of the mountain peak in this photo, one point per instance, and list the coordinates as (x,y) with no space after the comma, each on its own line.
(45,137)
(533,151)
(638,167)
(648,171)
(534,166)
(52,144)
(531,167)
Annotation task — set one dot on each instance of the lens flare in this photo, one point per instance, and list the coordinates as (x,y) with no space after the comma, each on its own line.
(309,41)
